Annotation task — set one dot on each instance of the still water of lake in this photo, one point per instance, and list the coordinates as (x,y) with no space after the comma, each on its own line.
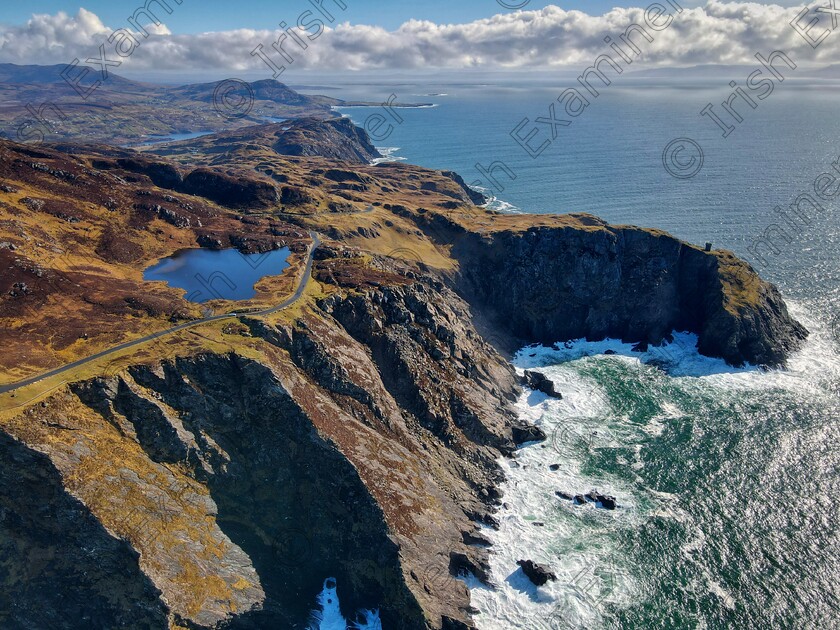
(226,274)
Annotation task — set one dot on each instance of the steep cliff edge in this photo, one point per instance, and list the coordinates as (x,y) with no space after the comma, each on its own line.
(553,279)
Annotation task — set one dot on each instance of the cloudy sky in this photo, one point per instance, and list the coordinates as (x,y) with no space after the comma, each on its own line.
(217,35)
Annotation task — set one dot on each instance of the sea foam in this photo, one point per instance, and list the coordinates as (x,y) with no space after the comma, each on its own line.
(327,616)
(582,544)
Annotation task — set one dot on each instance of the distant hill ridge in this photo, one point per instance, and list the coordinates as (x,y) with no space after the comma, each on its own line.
(265,89)
(45,75)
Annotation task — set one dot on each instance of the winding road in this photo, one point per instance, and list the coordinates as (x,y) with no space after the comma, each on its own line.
(5,389)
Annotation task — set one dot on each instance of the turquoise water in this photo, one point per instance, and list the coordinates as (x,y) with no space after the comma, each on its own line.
(727,479)
(224,274)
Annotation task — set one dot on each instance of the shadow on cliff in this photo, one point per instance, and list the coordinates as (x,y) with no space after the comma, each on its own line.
(288,498)
(59,568)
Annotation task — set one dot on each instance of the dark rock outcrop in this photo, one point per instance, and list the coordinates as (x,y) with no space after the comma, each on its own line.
(337,139)
(294,196)
(601,500)
(161,174)
(474,196)
(541,383)
(461,563)
(417,335)
(537,573)
(237,192)
(525,433)
(229,191)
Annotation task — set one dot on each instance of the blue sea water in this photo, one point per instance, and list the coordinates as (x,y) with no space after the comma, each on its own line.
(727,480)
(608,162)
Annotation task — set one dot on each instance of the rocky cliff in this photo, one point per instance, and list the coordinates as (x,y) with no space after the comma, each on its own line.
(213,478)
(548,284)
(544,280)
(361,444)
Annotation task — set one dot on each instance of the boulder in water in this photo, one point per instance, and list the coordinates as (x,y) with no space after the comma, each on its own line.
(525,433)
(537,573)
(602,500)
(541,383)
(608,503)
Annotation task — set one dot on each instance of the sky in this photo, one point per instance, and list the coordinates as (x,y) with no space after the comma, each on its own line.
(223,15)
(376,35)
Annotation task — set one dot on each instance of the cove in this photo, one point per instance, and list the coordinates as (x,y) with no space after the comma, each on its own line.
(226,274)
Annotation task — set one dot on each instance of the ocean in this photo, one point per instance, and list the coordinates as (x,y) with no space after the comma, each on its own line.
(727,480)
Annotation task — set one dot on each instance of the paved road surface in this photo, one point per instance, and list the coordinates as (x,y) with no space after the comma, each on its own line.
(4,389)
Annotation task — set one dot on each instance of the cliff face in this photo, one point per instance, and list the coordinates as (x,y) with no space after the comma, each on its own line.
(552,283)
(57,561)
(361,445)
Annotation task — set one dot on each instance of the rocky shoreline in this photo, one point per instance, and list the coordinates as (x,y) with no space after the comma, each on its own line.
(356,435)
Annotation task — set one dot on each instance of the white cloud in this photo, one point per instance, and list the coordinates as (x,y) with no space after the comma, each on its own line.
(717,32)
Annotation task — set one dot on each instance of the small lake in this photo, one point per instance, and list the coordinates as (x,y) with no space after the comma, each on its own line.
(207,274)
(174,137)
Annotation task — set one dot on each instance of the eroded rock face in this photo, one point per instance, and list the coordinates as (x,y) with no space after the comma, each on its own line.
(548,284)
(337,139)
(424,347)
(285,497)
(160,173)
(233,192)
(363,447)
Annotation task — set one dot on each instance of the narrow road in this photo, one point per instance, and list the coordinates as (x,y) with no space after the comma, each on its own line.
(5,389)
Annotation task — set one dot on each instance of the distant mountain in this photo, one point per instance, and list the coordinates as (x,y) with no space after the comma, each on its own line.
(125,112)
(265,90)
(40,75)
